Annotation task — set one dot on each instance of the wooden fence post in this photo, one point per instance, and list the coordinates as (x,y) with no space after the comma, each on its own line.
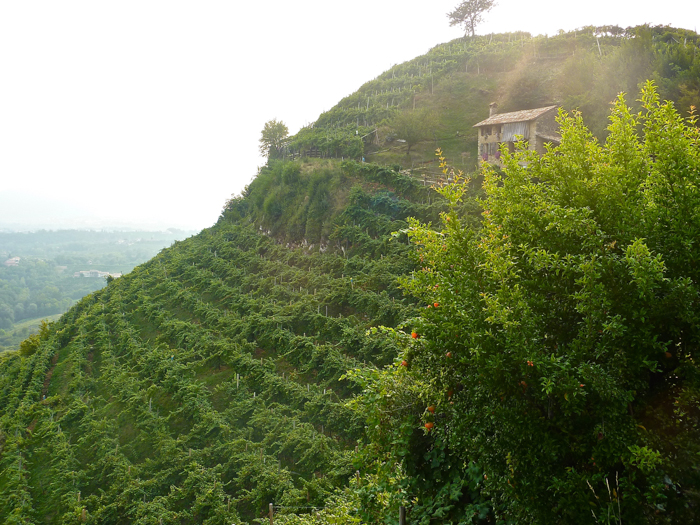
(402,515)
(271,514)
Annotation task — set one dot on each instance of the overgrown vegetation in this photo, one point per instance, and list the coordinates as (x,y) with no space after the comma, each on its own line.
(552,377)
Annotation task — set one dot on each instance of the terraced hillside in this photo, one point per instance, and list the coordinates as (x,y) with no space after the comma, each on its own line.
(206,383)
(455,81)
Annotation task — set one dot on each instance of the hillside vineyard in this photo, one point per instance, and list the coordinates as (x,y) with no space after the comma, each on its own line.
(205,384)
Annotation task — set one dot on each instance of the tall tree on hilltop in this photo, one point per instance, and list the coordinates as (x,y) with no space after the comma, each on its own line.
(470,13)
(272,137)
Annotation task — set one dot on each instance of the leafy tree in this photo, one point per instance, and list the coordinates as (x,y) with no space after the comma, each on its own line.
(559,348)
(31,344)
(413,126)
(470,13)
(272,137)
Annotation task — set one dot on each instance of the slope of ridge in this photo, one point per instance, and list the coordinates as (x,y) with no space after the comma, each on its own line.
(206,383)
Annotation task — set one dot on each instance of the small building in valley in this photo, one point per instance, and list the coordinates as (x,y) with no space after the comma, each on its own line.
(536,127)
(14,261)
(95,273)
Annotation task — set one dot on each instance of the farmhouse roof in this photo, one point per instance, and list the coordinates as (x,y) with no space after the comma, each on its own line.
(516,116)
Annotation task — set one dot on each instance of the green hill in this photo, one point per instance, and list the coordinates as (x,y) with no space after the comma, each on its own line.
(211,380)
(206,383)
(456,81)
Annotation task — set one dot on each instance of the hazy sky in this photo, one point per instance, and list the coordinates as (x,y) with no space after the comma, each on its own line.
(150,111)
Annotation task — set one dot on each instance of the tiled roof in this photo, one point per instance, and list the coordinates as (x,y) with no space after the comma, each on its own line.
(516,116)
(553,138)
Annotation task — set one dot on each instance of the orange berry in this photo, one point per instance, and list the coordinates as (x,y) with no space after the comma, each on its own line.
(414,335)
(449,355)
(431,409)
(436,305)
(429,425)
(404,363)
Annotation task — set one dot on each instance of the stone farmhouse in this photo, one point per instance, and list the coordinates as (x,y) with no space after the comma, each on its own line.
(535,126)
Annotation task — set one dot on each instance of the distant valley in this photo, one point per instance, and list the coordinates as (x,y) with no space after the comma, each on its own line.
(43,273)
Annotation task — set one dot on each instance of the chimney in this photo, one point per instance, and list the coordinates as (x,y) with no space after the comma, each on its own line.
(492,109)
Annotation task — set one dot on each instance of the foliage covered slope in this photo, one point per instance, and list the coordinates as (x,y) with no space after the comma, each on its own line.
(205,384)
(555,370)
